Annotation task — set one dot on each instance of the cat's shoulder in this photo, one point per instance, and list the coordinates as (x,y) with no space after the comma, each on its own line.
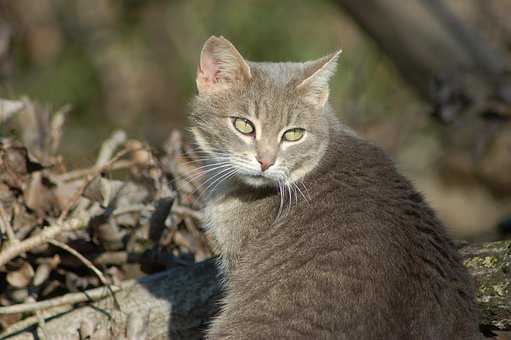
(352,149)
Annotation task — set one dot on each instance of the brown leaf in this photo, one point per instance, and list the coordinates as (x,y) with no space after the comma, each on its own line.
(40,196)
(95,190)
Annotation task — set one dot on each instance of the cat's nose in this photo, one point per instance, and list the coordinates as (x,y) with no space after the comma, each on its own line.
(265,163)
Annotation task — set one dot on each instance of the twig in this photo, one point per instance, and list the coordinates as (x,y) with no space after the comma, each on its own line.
(74,199)
(32,320)
(56,126)
(185,211)
(82,258)
(47,234)
(67,299)
(79,173)
(43,334)
(118,258)
(88,180)
(132,208)
(108,147)
(6,225)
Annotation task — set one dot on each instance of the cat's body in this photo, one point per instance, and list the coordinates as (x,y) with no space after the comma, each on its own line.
(353,253)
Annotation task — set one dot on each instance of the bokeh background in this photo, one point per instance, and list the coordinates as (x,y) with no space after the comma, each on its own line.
(425,79)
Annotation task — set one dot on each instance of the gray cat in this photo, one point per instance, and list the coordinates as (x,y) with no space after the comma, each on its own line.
(320,237)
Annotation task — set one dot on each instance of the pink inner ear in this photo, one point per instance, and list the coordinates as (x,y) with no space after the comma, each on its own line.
(209,70)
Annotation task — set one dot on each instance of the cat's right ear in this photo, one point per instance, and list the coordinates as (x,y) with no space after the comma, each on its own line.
(221,65)
(315,88)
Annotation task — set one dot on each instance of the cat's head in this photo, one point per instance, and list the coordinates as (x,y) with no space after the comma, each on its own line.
(262,122)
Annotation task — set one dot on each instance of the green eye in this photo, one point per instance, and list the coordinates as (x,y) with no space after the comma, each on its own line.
(244,126)
(292,135)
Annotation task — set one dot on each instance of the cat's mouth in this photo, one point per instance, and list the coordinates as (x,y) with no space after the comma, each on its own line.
(257,179)
(255,175)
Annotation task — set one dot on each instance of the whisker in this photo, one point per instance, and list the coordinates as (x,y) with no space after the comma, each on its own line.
(306,190)
(204,160)
(206,166)
(196,175)
(218,180)
(224,179)
(301,193)
(289,201)
(281,205)
(199,173)
(213,178)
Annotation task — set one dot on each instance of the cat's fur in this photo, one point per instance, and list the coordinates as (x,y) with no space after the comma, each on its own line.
(353,253)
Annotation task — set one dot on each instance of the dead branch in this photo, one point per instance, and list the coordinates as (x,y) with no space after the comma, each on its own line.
(83,259)
(67,299)
(5,225)
(47,234)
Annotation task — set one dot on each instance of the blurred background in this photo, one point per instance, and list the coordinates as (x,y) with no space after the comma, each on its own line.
(426,79)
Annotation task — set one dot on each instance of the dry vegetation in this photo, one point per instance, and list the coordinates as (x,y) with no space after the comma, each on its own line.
(68,230)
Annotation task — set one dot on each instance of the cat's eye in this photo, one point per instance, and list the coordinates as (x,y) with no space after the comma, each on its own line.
(293,135)
(243,125)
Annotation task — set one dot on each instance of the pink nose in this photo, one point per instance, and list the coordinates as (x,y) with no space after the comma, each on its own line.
(265,164)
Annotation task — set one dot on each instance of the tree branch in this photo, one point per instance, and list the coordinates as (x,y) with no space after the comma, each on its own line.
(49,233)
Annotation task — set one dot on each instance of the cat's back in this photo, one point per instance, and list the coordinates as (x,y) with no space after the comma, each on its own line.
(363,246)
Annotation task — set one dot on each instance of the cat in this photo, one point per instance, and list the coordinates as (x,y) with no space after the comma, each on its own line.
(319,236)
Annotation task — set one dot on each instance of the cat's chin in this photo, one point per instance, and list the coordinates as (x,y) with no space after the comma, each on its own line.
(257,181)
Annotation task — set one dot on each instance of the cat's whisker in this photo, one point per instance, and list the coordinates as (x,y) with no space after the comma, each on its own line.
(199,173)
(301,193)
(224,179)
(225,175)
(307,192)
(281,206)
(210,165)
(204,172)
(211,154)
(288,192)
(213,178)
(295,193)
(204,160)
(209,151)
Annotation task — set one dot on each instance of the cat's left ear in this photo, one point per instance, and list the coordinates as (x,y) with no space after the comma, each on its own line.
(314,88)
(221,66)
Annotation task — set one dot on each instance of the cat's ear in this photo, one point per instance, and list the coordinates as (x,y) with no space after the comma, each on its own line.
(221,65)
(314,88)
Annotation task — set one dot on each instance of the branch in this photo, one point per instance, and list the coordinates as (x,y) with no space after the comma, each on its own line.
(49,233)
